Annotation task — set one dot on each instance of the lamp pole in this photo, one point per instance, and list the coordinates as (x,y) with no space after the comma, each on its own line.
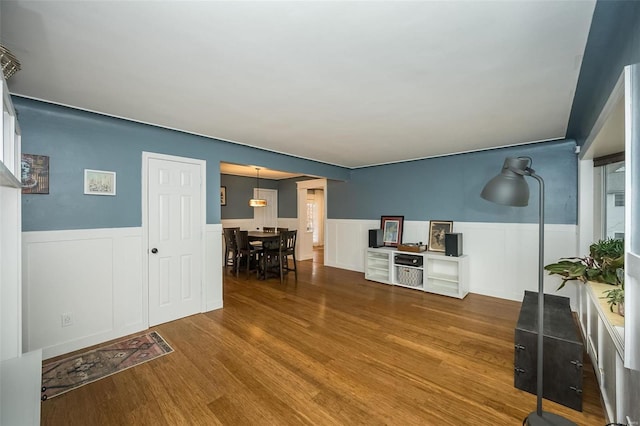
(540,293)
(510,188)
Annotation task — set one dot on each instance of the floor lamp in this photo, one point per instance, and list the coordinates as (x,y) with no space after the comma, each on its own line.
(510,188)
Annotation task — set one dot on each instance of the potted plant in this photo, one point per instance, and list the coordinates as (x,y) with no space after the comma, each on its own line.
(615,297)
(605,258)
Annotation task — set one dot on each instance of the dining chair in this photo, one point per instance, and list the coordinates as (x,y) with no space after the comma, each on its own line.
(246,252)
(282,229)
(269,229)
(288,248)
(276,254)
(229,246)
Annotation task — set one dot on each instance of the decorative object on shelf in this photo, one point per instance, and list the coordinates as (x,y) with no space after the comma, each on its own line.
(223,195)
(615,297)
(375,238)
(511,189)
(10,64)
(602,264)
(391,230)
(99,182)
(437,229)
(257,202)
(35,174)
(453,244)
(412,247)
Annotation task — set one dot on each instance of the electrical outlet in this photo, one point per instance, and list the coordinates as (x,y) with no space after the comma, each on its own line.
(67,319)
(631,422)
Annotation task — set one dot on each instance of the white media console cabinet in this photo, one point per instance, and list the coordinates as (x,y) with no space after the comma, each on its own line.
(432,272)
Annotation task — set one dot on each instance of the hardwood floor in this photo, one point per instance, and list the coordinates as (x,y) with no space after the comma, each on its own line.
(331,349)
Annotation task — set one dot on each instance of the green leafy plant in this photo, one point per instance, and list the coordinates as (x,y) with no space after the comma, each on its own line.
(615,296)
(605,257)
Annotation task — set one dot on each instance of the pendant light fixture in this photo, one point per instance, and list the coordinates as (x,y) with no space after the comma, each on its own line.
(257,202)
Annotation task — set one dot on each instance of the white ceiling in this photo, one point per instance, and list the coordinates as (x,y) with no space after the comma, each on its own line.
(351,83)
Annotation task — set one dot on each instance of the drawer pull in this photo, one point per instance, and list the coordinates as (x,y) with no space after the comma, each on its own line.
(519,347)
(577,364)
(519,370)
(576,390)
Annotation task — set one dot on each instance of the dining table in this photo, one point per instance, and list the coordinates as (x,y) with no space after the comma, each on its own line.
(262,237)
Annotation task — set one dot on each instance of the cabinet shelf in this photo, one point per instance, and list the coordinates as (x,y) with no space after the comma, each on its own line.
(436,273)
(443,277)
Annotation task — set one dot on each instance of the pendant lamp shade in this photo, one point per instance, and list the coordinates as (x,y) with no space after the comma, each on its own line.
(509,188)
(257,202)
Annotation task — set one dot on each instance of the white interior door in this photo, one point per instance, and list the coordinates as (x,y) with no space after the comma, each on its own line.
(175,227)
(268,215)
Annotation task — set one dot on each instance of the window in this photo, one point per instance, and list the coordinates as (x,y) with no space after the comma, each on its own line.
(613,200)
(619,200)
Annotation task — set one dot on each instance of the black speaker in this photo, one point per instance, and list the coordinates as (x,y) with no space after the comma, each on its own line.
(453,245)
(375,238)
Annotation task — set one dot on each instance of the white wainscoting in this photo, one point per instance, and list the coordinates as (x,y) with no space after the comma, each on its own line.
(503,257)
(96,275)
(244,224)
(213,267)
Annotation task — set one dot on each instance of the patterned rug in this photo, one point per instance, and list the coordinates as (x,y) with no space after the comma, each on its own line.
(67,374)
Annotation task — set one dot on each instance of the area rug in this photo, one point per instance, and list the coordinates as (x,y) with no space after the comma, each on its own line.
(70,373)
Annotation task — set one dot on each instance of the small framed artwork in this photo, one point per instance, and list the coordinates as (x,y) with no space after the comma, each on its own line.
(223,195)
(437,229)
(34,174)
(391,230)
(99,182)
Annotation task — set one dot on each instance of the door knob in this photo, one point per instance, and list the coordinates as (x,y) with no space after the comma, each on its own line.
(154,250)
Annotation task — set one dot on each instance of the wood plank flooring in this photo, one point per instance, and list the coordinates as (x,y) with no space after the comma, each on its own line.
(331,349)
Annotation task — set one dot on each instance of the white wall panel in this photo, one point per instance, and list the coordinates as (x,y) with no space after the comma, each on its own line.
(244,224)
(503,256)
(213,267)
(95,275)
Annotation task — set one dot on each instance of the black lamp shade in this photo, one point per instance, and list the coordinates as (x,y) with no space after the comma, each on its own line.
(509,188)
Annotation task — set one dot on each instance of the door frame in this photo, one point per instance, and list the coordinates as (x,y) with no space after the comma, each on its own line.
(302,209)
(146,156)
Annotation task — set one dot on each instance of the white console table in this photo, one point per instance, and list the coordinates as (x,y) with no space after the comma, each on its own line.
(437,273)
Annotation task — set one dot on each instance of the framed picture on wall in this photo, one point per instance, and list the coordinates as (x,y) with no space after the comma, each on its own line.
(437,229)
(391,230)
(223,195)
(99,182)
(34,174)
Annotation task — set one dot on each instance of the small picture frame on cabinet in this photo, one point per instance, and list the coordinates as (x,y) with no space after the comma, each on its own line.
(437,230)
(391,230)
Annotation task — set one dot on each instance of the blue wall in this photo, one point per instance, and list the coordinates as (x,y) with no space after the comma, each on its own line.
(288,196)
(239,191)
(448,188)
(614,41)
(77,140)
(445,188)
